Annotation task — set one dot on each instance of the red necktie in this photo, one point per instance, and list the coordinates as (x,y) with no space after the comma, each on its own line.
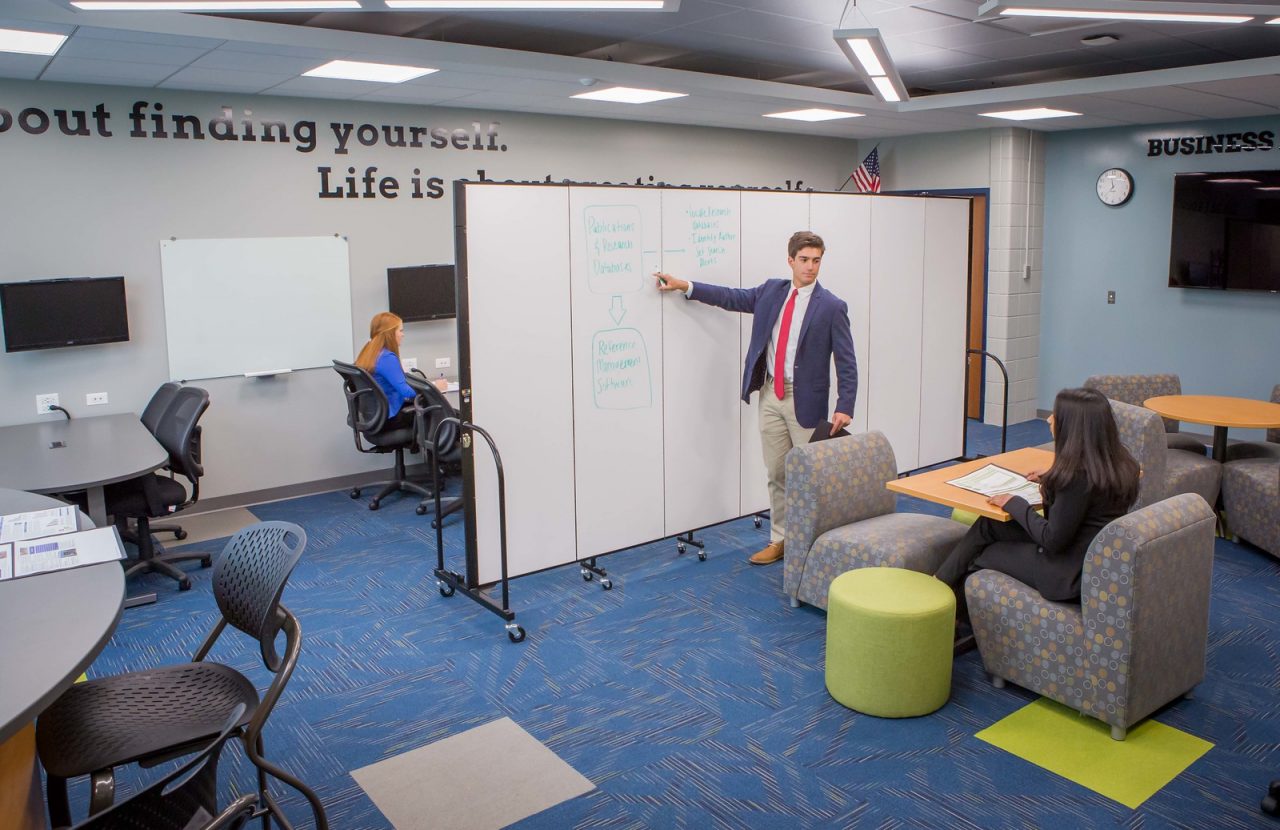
(780,357)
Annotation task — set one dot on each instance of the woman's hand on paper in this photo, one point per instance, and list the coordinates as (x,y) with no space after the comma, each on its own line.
(1036,475)
(999,500)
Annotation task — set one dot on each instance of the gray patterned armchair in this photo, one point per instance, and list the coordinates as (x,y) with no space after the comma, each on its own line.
(1165,472)
(1143,436)
(1251,499)
(839,517)
(1136,641)
(1135,389)
(1269,448)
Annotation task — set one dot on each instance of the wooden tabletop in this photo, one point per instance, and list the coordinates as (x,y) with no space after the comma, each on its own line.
(932,486)
(1217,410)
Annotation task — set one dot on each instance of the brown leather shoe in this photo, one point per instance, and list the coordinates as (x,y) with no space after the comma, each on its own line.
(767,555)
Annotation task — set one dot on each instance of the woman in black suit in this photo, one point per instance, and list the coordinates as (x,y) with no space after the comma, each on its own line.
(1093,480)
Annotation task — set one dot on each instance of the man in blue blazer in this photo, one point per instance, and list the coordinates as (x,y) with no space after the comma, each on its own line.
(798,328)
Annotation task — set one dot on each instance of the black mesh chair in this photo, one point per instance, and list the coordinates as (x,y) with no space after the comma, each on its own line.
(369,421)
(151,416)
(439,441)
(148,717)
(152,496)
(185,799)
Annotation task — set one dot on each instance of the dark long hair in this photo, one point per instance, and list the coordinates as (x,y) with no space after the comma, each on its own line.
(1086,443)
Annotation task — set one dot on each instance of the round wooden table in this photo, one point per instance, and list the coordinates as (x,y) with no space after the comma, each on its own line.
(1218,411)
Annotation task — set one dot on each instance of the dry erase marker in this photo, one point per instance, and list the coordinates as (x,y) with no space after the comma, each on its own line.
(661,278)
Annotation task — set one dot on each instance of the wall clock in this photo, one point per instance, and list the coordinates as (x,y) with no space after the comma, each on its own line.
(1115,186)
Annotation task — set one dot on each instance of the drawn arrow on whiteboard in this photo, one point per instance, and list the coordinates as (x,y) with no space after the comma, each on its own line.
(616,311)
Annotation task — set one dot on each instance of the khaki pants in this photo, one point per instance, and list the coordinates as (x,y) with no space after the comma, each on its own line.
(779,432)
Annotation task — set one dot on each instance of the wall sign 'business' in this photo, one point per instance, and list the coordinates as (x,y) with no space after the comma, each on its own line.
(1201,145)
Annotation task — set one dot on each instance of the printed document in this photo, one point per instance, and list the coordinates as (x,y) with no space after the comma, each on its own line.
(994,481)
(6,561)
(70,550)
(18,526)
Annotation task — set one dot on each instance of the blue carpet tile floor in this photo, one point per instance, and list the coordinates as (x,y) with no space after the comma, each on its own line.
(690,694)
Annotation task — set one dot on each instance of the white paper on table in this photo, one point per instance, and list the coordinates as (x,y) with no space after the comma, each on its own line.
(992,480)
(70,550)
(6,561)
(36,523)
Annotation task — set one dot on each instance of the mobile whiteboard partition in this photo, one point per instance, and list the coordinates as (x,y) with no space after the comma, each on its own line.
(255,306)
(616,407)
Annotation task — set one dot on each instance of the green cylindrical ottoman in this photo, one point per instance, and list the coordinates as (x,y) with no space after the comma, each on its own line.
(890,634)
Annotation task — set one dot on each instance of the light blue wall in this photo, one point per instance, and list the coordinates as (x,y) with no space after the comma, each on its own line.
(1225,343)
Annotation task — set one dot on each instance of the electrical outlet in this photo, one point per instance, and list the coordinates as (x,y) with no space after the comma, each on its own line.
(95,398)
(45,402)
(409,363)
(443,363)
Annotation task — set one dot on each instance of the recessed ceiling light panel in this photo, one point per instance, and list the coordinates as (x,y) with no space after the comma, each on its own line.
(628,95)
(1029,114)
(30,43)
(386,73)
(1157,11)
(537,5)
(216,5)
(816,114)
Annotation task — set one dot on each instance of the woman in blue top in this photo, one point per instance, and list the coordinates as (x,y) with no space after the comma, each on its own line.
(380,357)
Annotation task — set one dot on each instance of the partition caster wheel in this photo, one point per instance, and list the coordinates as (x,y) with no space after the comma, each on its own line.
(586,575)
(756,520)
(206,562)
(679,547)
(179,534)
(184,585)
(421,511)
(435,524)
(702,556)
(515,633)
(374,505)
(607,584)
(446,590)
(355,493)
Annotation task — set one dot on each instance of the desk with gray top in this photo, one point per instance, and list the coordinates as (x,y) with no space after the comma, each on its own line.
(80,454)
(54,625)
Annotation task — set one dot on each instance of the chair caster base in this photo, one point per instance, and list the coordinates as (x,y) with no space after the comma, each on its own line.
(184,585)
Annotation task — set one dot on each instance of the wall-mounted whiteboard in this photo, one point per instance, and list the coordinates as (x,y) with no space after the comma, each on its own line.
(236,306)
(616,407)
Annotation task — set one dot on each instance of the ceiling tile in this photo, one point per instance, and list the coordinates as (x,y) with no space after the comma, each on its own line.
(196,77)
(1193,102)
(324,87)
(286,65)
(154,38)
(129,51)
(22,66)
(1263,90)
(84,70)
(400,94)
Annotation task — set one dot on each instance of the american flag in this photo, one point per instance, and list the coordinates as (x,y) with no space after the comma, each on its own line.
(867,176)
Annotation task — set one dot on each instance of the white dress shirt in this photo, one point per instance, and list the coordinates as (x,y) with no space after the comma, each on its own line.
(793,334)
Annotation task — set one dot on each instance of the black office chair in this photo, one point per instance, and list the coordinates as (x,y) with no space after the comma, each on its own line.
(152,496)
(369,420)
(185,799)
(151,416)
(152,716)
(439,441)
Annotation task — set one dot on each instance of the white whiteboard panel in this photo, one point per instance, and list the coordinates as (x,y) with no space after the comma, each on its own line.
(942,360)
(768,220)
(615,235)
(233,306)
(522,391)
(897,287)
(701,234)
(844,223)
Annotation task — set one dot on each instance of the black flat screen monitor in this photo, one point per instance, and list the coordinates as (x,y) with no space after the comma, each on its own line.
(49,314)
(1226,231)
(421,292)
